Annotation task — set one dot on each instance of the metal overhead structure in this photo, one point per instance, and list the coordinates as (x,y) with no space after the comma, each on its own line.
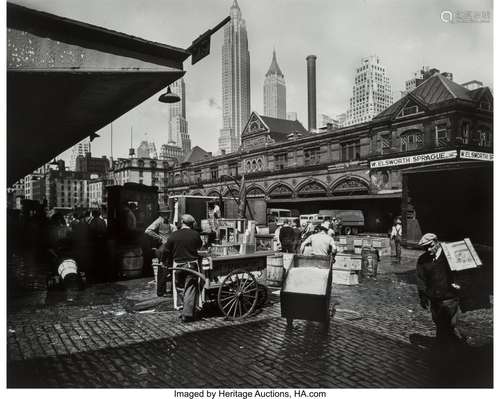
(67,79)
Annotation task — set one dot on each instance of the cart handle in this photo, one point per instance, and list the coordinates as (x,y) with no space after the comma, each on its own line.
(183,269)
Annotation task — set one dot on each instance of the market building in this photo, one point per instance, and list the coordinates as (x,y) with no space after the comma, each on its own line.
(285,166)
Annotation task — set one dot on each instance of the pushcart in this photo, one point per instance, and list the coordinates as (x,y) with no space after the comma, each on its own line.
(306,290)
(236,283)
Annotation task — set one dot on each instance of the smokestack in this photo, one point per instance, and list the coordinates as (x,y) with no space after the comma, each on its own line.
(311,91)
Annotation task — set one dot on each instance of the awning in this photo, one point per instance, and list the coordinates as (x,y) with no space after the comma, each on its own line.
(334,198)
(447,166)
(67,79)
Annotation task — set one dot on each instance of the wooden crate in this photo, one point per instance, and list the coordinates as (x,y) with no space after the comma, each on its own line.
(347,262)
(345,277)
(358,242)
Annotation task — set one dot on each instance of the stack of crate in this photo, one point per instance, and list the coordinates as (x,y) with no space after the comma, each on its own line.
(346,269)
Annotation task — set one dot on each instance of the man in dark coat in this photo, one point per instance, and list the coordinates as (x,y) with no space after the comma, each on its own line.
(437,289)
(181,251)
(287,238)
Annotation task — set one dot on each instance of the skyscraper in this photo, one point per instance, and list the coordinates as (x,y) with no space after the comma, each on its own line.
(177,124)
(371,92)
(235,81)
(275,91)
(78,149)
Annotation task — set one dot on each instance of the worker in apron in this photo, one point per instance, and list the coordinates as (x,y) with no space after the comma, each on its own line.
(181,252)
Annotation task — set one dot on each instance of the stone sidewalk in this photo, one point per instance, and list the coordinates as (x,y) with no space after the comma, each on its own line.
(99,341)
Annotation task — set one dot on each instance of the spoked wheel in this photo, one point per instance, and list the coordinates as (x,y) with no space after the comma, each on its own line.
(238,294)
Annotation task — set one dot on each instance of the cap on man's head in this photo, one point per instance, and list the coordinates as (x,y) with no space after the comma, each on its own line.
(427,239)
(188,220)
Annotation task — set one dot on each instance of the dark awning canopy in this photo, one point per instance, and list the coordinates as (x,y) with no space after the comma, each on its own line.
(66,80)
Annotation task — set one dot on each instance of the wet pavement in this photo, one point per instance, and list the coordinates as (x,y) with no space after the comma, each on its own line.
(98,340)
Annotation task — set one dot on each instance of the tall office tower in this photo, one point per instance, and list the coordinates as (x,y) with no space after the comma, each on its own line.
(275,91)
(371,92)
(79,149)
(235,82)
(177,124)
(341,118)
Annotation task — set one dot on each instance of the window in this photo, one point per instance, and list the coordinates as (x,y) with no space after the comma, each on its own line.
(465,132)
(441,134)
(351,151)
(280,161)
(412,140)
(214,172)
(197,176)
(486,105)
(386,142)
(484,137)
(233,169)
(409,110)
(311,156)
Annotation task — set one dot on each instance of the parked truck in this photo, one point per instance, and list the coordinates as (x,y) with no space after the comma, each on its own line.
(352,221)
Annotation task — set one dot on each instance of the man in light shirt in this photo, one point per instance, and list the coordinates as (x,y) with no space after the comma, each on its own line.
(321,243)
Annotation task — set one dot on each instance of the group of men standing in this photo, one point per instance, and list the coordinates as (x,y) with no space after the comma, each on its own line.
(310,240)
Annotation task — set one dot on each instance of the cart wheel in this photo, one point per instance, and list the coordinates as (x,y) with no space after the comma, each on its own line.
(238,294)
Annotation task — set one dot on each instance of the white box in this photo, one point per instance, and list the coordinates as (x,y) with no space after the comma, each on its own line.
(344,277)
(347,262)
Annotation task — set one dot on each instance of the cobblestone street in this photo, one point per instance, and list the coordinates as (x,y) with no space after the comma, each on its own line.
(99,341)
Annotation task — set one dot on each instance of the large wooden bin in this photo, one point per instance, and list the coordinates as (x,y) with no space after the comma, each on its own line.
(306,289)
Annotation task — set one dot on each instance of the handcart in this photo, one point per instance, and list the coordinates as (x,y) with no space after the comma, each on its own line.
(306,290)
(236,283)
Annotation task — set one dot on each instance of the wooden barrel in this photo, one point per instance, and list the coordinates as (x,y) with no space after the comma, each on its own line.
(274,268)
(66,267)
(132,262)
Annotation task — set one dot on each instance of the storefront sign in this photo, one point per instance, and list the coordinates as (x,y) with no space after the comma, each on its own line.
(431,157)
(481,156)
(461,255)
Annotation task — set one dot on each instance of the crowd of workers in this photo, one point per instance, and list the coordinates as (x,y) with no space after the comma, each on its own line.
(309,239)
(82,235)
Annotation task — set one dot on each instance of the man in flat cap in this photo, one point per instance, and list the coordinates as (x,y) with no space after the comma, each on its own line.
(437,289)
(181,251)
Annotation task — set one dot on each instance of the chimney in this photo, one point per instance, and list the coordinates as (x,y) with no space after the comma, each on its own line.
(311,92)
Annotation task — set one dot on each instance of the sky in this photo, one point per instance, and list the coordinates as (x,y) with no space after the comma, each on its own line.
(405,34)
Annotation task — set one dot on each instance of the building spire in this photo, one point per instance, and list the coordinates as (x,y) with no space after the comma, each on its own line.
(274,69)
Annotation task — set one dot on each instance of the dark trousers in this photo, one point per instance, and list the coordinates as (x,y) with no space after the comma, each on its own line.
(187,286)
(444,315)
(397,246)
(288,246)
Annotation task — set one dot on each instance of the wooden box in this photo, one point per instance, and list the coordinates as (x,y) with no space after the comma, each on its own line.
(347,262)
(306,289)
(345,277)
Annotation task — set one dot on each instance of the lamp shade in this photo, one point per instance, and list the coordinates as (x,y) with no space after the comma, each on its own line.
(169,97)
